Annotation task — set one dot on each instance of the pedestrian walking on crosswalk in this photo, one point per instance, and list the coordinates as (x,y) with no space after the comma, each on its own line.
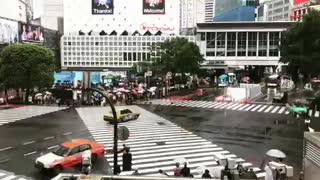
(185,171)
(126,160)
(177,170)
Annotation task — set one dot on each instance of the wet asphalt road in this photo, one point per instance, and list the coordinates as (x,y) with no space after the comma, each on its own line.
(27,139)
(242,133)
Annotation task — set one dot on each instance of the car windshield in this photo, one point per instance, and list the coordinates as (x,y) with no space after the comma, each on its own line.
(126,111)
(61,151)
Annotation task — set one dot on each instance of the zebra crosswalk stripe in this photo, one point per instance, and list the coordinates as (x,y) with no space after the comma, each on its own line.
(275,109)
(16,114)
(145,135)
(257,107)
(244,107)
(282,110)
(235,108)
(248,108)
(235,104)
(262,108)
(268,109)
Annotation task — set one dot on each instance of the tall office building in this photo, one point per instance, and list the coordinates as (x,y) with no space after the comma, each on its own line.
(191,13)
(49,12)
(234,10)
(209,10)
(301,8)
(276,10)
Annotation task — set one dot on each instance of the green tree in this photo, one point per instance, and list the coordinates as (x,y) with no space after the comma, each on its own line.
(178,55)
(27,66)
(300,46)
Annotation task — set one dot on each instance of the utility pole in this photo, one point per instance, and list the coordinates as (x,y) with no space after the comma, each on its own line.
(115,130)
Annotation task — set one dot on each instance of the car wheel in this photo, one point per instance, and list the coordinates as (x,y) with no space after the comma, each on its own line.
(94,157)
(57,170)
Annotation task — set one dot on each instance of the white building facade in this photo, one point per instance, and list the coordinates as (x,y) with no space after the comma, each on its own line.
(122,15)
(108,52)
(49,12)
(209,10)
(14,10)
(239,44)
(11,12)
(191,13)
(274,10)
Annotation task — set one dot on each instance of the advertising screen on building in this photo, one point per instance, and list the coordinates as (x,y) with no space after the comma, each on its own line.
(102,7)
(8,32)
(297,2)
(153,6)
(31,33)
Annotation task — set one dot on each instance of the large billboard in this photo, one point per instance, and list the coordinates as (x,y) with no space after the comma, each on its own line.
(297,2)
(31,33)
(153,6)
(102,7)
(8,32)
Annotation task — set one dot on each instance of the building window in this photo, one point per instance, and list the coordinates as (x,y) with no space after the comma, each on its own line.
(221,43)
(252,44)
(231,44)
(274,43)
(210,54)
(263,40)
(242,44)
(203,36)
(211,36)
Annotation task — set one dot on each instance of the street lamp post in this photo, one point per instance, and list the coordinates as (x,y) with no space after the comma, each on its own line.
(115,130)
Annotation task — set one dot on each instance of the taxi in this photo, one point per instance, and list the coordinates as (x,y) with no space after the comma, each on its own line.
(68,154)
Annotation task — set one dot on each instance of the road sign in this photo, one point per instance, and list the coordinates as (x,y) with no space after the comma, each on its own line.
(123,133)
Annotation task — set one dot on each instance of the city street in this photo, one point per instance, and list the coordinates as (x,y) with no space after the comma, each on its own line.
(201,128)
(247,130)
(24,140)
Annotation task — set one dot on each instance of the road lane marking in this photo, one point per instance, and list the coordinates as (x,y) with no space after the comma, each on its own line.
(281,110)
(30,153)
(3,161)
(83,129)
(235,104)
(244,107)
(269,108)
(275,109)
(257,107)
(51,147)
(68,133)
(317,114)
(234,108)
(4,149)
(47,138)
(27,143)
(263,107)
(248,108)
(9,177)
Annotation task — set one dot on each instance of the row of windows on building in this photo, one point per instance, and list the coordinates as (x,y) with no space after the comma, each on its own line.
(116,59)
(97,63)
(110,43)
(248,43)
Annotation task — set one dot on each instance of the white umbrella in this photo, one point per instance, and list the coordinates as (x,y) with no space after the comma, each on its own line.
(276,153)
(181,160)
(201,169)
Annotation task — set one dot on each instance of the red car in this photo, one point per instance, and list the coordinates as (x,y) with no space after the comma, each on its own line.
(69,154)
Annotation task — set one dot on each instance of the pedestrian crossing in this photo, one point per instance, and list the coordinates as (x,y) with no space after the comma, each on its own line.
(5,175)
(16,114)
(272,109)
(156,143)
